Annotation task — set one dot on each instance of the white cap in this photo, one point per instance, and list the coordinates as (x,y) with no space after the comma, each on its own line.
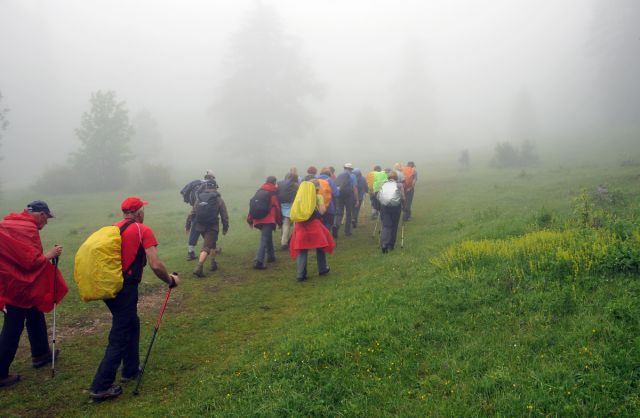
(348,165)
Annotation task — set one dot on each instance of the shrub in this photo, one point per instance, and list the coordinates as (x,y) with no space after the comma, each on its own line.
(152,176)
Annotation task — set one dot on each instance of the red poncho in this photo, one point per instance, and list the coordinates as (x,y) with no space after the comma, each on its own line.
(310,235)
(26,275)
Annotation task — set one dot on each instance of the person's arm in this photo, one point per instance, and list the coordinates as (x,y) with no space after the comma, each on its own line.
(159,268)
(224,216)
(54,252)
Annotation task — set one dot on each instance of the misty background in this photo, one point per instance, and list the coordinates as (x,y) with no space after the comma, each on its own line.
(248,87)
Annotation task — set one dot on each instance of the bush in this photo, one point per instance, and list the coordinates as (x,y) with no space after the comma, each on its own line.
(58,179)
(508,156)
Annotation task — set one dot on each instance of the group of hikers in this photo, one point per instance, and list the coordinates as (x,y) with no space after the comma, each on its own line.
(310,209)
(333,200)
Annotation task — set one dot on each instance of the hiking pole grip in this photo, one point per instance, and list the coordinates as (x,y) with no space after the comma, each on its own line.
(54,261)
(153,338)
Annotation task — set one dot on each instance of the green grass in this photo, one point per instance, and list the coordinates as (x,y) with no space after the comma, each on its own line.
(380,336)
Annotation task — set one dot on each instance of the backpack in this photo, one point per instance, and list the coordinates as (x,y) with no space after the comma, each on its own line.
(190,190)
(407,172)
(305,202)
(287,191)
(343,181)
(97,266)
(206,208)
(260,204)
(325,191)
(389,194)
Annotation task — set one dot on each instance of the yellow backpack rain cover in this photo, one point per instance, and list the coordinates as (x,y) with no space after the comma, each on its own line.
(98,265)
(304,203)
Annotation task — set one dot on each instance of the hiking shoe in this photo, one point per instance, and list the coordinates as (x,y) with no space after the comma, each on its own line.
(214,266)
(126,379)
(259,266)
(102,395)
(10,380)
(284,247)
(198,271)
(324,272)
(271,260)
(43,360)
(191,255)
(301,279)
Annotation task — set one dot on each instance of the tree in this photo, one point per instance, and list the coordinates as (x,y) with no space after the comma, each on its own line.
(146,143)
(261,104)
(104,134)
(4,122)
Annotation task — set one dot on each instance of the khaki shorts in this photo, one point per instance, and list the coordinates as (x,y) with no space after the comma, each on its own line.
(210,237)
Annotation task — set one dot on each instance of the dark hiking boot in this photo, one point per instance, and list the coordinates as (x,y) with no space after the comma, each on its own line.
(284,247)
(191,255)
(354,224)
(334,232)
(198,272)
(214,266)
(43,360)
(301,279)
(324,272)
(259,266)
(126,379)
(102,395)
(271,260)
(10,380)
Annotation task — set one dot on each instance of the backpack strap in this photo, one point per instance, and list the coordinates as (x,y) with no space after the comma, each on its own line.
(134,272)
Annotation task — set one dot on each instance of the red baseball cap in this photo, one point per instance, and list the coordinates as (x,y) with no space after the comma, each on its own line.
(132,204)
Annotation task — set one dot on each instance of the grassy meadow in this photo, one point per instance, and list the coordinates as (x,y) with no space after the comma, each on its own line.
(516,294)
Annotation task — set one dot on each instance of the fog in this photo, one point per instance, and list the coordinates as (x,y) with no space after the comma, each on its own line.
(384,80)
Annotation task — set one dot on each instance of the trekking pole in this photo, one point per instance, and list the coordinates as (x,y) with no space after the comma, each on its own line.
(402,236)
(373,234)
(153,338)
(54,260)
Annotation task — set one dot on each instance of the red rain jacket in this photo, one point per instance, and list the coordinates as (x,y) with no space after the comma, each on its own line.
(26,275)
(275,214)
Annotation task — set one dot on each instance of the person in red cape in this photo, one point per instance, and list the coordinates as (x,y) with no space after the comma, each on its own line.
(26,286)
(311,234)
(266,224)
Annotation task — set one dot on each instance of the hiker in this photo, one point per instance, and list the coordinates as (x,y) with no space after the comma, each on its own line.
(26,287)
(139,245)
(397,167)
(362,189)
(375,205)
(391,197)
(265,214)
(312,171)
(189,193)
(410,179)
(208,210)
(330,195)
(347,199)
(311,234)
(287,189)
(333,172)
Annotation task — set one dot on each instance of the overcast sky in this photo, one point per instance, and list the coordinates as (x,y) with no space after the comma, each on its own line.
(169,57)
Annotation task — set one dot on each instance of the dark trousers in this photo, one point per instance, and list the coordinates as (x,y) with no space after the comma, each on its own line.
(345,205)
(266,243)
(14,321)
(124,339)
(193,236)
(375,205)
(356,212)
(390,220)
(301,262)
(407,204)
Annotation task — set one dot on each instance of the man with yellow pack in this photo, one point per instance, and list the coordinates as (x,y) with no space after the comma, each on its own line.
(139,245)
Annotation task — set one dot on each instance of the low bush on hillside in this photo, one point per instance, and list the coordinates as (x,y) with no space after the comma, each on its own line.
(560,254)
